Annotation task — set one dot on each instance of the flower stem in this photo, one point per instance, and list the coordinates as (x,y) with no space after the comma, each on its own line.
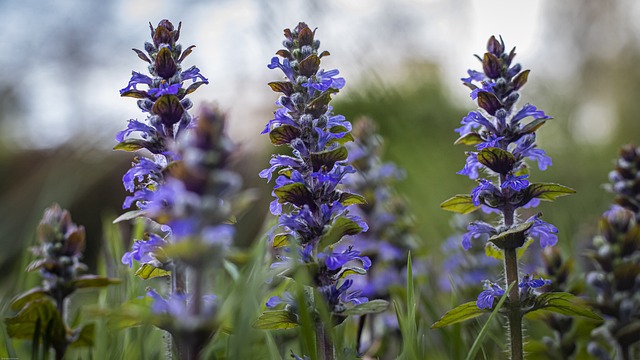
(323,343)
(514,315)
(511,273)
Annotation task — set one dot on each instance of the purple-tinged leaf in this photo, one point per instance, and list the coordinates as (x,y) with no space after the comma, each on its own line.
(489,102)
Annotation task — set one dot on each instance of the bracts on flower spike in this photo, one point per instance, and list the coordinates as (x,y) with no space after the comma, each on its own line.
(314,215)
(163,98)
(504,137)
(616,271)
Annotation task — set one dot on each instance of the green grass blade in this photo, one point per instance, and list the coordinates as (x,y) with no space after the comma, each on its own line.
(483,332)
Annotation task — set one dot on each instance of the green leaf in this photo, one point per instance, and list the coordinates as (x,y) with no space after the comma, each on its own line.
(23,299)
(328,158)
(88,281)
(565,304)
(276,319)
(147,271)
(350,270)
(512,238)
(496,159)
(43,311)
(547,191)
(458,314)
(347,199)
(469,139)
(129,215)
(462,204)
(283,134)
(131,145)
(280,240)
(294,193)
(343,140)
(83,336)
(370,307)
(341,226)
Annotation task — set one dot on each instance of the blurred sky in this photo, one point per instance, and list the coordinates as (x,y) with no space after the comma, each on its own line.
(64,61)
(67,59)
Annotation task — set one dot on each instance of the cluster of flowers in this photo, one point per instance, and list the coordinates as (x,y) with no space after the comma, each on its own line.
(391,231)
(503,141)
(616,258)
(186,188)
(317,215)
(390,235)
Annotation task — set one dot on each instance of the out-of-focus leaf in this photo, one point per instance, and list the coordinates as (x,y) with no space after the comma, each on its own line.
(275,320)
(87,281)
(347,199)
(280,240)
(129,215)
(21,300)
(471,138)
(340,227)
(370,307)
(42,311)
(146,271)
(84,335)
(131,145)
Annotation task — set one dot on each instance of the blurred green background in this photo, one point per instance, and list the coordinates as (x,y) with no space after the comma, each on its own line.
(65,61)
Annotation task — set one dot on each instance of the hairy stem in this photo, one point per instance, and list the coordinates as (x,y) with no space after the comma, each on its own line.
(514,315)
(511,273)
(323,343)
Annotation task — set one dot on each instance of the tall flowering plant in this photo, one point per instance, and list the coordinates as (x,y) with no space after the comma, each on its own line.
(313,214)
(616,258)
(186,187)
(42,311)
(504,136)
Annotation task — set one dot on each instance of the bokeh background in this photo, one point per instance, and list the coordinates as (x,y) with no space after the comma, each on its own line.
(63,63)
